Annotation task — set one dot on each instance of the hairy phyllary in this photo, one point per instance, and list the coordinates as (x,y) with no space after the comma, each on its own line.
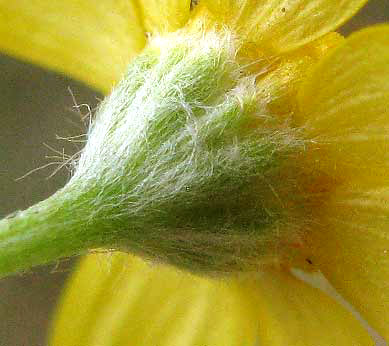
(182,165)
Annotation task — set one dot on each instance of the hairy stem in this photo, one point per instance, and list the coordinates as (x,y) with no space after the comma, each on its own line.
(41,234)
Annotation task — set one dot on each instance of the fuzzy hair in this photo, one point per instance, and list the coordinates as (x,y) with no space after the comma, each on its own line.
(180,158)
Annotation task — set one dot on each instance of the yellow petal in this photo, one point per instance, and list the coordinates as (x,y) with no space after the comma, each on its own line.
(344,108)
(349,87)
(351,247)
(294,313)
(89,40)
(283,24)
(165,15)
(123,301)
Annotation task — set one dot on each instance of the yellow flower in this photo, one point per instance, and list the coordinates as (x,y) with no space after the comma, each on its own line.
(335,91)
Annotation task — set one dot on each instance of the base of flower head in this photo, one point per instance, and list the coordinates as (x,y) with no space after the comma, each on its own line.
(184,164)
(183,158)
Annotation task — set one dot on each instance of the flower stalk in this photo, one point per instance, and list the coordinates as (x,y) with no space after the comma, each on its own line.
(44,233)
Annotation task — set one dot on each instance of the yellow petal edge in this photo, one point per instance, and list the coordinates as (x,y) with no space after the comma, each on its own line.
(283,25)
(352,249)
(345,111)
(87,40)
(291,312)
(161,16)
(119,300)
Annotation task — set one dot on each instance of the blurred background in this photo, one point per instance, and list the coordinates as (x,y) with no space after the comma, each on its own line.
(36,108)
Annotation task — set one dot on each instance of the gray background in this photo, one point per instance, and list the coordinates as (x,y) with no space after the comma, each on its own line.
(36,105)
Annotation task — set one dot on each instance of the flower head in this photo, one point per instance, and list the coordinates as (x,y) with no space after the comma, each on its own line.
(246,138)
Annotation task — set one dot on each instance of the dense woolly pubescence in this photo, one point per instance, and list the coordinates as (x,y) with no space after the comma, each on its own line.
(190,161)
(176,167)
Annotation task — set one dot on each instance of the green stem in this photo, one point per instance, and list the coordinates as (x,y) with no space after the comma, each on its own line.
(44,233)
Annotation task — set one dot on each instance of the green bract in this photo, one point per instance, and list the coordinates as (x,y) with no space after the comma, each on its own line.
(176,168)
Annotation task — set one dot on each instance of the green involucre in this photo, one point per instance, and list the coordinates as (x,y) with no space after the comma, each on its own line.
(178,168)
